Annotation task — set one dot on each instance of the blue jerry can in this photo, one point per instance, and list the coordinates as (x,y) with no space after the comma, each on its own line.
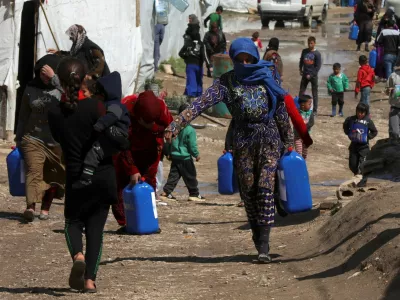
(353,34)
(373,57)
(140,209)
(16,173)
(351,3)
(294,184)
(227,180)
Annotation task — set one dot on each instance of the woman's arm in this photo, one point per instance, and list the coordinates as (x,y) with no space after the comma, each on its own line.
(213,95)
(282,121)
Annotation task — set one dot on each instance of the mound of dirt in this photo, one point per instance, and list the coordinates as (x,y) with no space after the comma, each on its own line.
(365,235)
(384,159)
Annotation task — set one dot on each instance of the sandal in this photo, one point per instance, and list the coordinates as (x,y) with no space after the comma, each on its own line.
(29,215)
(44,217)
(76,278)
(90,291)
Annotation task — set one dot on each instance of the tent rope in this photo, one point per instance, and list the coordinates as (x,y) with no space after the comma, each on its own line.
(48,24)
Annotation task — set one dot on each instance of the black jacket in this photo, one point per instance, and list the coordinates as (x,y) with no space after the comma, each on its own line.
(372,131)
(365,11)
(215,43)
(390,39)
(193,50)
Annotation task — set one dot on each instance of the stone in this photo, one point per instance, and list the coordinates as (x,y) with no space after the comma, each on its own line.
(189,230)
(328,204)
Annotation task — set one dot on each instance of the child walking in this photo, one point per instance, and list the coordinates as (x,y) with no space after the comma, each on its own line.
(365,80)
(182,149)
(337,84)
(360,129)
(310,64)
(305,102)
(256,39)
(393,90)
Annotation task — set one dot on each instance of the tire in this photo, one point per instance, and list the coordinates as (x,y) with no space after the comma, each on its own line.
(264,21)
(324,15)
(308,20)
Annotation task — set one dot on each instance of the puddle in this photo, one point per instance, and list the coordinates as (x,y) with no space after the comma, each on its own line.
(335,182)
(237,24)
(342,16)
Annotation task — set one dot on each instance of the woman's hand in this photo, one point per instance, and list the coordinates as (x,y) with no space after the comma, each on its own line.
(52,51)
(47,71)
(168,136)
(135,178)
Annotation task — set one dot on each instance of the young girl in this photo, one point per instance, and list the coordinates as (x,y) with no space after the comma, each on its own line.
(305,110)
(86,210)
(256,39)
(261,132)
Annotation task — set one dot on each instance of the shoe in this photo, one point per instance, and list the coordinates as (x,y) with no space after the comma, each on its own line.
(209,74)
(341,114)
(81,184)
(332,116)
(197,198)
(29,215)
(358,48)
(121,230)
(166,197)
(76,278)
(264,258)
(44,217)
(362,183)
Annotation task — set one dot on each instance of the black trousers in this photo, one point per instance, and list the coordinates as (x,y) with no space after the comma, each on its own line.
(93,223)
(314,87)
(365,31)
(185,169)
(113,141)
(338,98)
(357,156)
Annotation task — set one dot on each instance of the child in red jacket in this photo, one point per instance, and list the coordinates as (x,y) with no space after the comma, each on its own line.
(149,118)
(365,80)
(256,39)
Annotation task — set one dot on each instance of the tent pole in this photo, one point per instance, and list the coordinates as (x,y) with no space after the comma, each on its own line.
(48,24)
(140,62)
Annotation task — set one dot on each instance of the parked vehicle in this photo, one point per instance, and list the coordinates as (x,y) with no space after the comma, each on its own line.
(303,10)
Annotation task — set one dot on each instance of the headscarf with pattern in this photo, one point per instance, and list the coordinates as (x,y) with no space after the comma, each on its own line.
(77,35)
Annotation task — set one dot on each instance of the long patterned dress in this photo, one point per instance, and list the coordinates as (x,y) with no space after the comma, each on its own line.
(258,140)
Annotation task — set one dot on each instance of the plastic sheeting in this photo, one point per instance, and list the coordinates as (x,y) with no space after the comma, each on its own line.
(9,39)
(112,26)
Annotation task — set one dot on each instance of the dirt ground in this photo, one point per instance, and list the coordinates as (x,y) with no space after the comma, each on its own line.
(350,255)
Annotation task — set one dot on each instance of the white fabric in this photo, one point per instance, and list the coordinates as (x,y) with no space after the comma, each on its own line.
(233,5)
(112,26)
(10,28)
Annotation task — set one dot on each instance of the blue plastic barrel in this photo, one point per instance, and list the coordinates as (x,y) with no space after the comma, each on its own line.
(353,34)
(227,180)
(373,57)
(16,173)
(140,209)
(294,184)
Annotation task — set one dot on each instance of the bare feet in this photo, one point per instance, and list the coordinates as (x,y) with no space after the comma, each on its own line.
(79,256)
(90,284)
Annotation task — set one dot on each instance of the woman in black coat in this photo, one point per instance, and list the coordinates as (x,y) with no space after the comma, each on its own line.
(363,16)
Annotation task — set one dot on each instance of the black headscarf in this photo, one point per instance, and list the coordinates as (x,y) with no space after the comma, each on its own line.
(52,61)
(273,44)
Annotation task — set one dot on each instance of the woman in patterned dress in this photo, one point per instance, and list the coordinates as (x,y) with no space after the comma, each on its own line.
(261,132)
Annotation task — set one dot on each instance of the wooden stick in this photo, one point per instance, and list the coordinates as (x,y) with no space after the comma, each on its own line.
(212,119)
(48,24)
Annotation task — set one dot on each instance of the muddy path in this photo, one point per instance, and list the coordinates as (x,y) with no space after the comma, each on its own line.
(216,261)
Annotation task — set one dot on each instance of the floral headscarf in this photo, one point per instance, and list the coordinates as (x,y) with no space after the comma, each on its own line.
(77,35)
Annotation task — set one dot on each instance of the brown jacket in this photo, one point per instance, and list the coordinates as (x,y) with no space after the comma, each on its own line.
(273,56)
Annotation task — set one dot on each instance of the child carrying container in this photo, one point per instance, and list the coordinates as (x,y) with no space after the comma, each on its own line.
(337,84)
(305,102)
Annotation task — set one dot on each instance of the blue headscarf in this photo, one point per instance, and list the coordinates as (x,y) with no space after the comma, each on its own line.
(258,73)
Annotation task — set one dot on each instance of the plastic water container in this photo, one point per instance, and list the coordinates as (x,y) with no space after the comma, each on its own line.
(140,209)
(180,5)
(227,180)
(353,34)
(351,3)
(296,101)
(373,57)
(16,173)
(294,184)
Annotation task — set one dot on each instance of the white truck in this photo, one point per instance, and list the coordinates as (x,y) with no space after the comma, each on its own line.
(303,10)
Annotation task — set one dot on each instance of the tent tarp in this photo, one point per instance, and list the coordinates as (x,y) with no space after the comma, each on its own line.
(111,26)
